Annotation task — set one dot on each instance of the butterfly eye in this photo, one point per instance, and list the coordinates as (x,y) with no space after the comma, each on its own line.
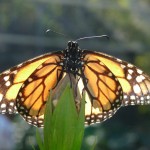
(72,44)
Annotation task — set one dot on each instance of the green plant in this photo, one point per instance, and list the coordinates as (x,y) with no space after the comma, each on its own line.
(63,127)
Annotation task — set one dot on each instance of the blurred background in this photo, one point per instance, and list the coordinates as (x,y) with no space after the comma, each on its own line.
(23,26)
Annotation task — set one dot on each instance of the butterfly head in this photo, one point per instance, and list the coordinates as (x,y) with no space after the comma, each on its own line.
(73,45)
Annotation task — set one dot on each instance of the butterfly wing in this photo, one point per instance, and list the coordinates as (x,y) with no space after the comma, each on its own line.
(34,92)
(135,84)
(12,80)
(103,92)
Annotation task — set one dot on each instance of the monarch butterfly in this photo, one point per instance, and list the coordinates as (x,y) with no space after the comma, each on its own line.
(108,84)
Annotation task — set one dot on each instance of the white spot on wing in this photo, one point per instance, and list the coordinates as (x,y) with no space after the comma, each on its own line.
(136,89)
(139,71)
(110,74)
(7,71)
(3,111)
(11,103)
(22,99)
(30,79)
(7,83)
(130,71)
(125,96)
(20,94)
(3,105)
(142,77)
(132,97)
(119,60)
(15,72)
(6,78)
(129,77)
(19,65)
(138,79)
(148,97)
(130,65)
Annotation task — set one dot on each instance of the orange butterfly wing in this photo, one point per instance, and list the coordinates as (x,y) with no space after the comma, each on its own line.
(103,92)
(135,84)
(110,83)
(12,80)
(34,92)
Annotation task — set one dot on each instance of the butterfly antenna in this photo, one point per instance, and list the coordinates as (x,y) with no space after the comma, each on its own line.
(91,37)
(50,30)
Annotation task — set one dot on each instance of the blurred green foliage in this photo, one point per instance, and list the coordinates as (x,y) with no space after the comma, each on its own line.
(143,61)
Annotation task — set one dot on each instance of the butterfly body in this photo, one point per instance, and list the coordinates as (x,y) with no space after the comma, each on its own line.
(107,83)
(72,61)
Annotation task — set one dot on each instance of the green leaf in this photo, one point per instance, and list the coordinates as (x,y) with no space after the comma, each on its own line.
(39,140)
(47,124)
(64,126)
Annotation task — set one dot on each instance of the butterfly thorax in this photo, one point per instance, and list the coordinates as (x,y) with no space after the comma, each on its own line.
(72,61)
